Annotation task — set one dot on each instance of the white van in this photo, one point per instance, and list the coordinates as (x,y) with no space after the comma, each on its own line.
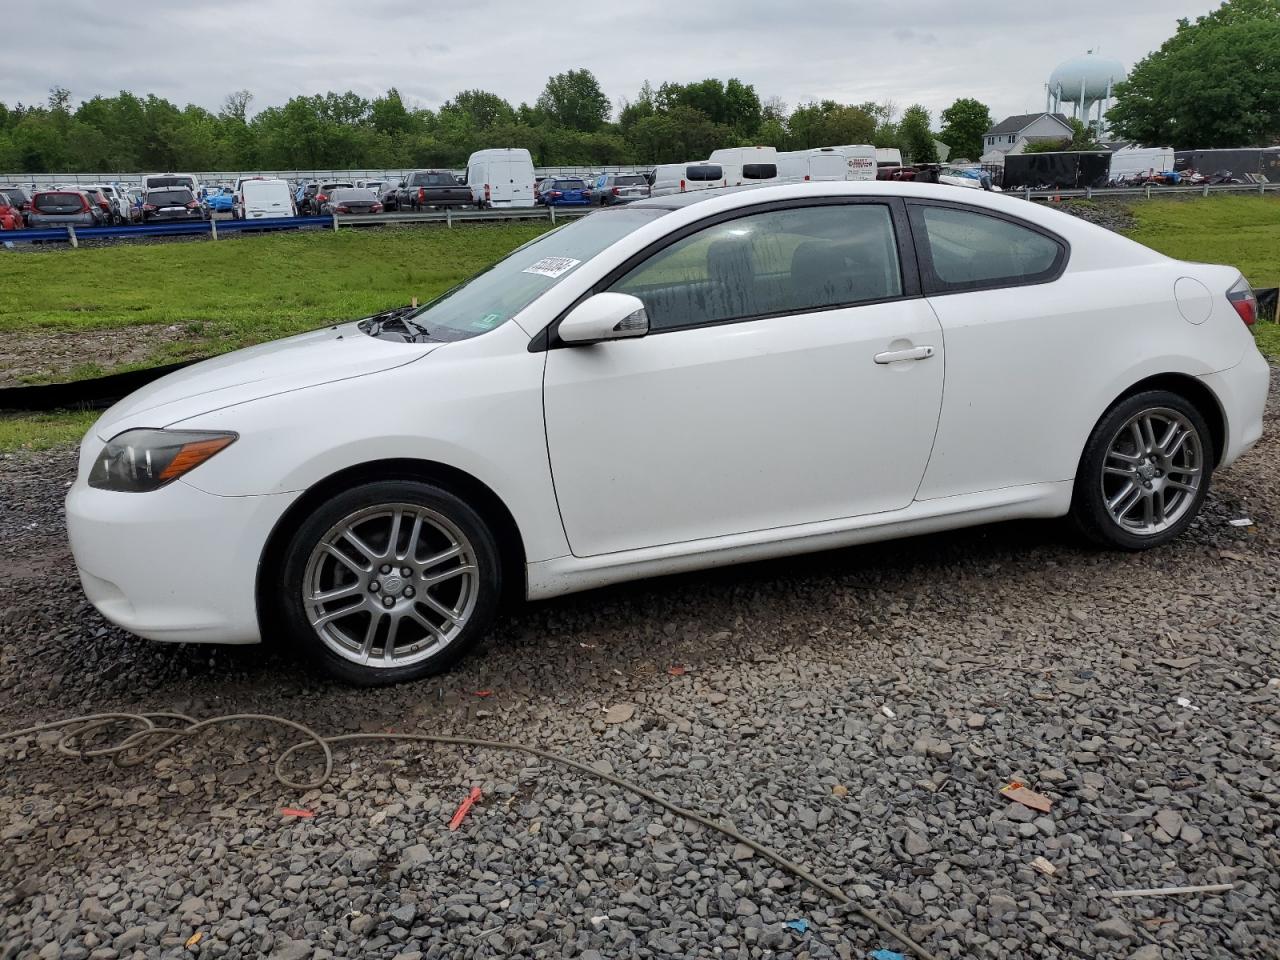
(669,178)
(501,177)
(259,199)
(853,162)
(888,157)
(1130,162)
(745,165)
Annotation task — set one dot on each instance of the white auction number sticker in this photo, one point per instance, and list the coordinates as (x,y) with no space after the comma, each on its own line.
(552,266)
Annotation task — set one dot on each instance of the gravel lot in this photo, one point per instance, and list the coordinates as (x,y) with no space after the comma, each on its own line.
(858,710)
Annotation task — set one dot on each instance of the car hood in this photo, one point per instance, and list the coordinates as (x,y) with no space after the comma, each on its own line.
(295,363)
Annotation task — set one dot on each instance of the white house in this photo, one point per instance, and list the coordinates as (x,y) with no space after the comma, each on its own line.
(1012,134)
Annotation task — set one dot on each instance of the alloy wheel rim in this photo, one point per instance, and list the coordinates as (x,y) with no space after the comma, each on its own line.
(1152,471)
(390,585)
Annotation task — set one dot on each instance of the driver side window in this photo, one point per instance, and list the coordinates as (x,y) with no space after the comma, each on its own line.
(794,260)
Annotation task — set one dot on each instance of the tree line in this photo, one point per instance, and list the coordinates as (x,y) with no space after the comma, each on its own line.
(572,122)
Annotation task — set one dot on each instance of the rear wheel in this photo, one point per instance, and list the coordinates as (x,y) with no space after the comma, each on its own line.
(1145,472)
(390,581)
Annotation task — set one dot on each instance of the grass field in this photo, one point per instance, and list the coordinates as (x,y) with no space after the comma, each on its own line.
(232,293)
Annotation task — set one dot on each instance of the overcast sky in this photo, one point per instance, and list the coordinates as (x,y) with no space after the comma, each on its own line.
(927,51)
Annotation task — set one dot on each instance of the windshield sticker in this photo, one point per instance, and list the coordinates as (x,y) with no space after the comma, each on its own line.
(487,322)
(552,266)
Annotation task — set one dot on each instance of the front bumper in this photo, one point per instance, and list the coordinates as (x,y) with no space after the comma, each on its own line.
(1242,393)
(175,564)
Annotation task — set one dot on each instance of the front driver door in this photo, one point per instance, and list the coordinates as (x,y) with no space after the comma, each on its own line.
(793,374)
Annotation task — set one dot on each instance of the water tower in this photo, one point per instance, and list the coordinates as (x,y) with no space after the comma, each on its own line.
(1086,83)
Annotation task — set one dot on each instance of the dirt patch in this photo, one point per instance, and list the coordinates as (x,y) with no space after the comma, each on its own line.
(52,356)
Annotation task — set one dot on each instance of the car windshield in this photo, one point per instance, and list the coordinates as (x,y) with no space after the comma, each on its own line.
(494,296)
(172,198)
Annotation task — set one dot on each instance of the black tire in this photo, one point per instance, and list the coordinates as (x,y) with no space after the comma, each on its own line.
(1090,513)
(290,608)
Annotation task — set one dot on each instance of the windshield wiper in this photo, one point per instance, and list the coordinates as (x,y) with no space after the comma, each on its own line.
(416,331)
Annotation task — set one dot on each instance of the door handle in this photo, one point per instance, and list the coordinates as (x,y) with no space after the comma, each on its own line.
(911,353)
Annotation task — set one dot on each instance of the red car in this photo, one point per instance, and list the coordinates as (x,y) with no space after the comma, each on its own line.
(10,213)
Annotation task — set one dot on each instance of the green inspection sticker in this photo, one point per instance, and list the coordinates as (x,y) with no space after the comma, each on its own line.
(487,322)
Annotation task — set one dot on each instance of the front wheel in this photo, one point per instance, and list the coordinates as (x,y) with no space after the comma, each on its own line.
(1145,472)
(390,581)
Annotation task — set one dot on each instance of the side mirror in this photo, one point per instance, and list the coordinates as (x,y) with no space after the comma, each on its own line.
(606,316)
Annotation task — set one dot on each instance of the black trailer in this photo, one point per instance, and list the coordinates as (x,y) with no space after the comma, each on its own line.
(1058,170)
(1246,164)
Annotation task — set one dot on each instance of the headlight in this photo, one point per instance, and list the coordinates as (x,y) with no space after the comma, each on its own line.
(141,460)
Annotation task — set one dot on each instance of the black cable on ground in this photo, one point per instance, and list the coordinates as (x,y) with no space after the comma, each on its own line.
(155,734)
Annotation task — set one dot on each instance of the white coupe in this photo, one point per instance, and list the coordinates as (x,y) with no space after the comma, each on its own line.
(683,382)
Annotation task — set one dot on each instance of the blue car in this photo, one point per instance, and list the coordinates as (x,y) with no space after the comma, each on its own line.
(564,192)
(218,200)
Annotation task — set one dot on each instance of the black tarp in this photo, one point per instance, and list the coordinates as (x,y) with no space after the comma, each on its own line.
(1064,170)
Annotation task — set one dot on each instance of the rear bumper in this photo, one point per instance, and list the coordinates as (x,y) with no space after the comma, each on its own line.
(1242,394)
(176,564)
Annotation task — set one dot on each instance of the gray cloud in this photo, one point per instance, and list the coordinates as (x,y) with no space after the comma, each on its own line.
(930,52)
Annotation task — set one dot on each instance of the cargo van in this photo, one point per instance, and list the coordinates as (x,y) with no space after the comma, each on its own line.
(744,165)
(669,178)
(854,162)
(259,199)
(501,177)
(888,157)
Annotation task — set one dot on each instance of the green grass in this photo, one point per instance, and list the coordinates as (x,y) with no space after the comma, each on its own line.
(1241,231)
(40,431)
(236,292)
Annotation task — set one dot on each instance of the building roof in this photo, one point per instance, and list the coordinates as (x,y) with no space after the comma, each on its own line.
(1019,122)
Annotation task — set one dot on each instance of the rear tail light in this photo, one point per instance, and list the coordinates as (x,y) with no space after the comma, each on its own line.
(192,204)
(148,206)
(616,191)
(321,198)
(343,208)
(377,208)
(806,177)
(1242,298)
(682,186)
(556,193)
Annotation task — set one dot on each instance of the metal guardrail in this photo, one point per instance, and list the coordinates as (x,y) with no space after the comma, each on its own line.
(1148,192)
(213,227)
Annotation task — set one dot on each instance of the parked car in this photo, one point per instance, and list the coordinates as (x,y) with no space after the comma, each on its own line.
(10,212)
(115,211)
(612,189)
(57,208)
(220,199)
(136,199)
(159,181)
(172,203)
(501,177)
(424,189)
(103,213)
(812,321)
(563,192)
(20,195)
(304,197)
(324,189)
(352,200)
(260,198)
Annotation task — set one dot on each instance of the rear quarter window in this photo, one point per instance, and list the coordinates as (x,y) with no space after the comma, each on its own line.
(965,249)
